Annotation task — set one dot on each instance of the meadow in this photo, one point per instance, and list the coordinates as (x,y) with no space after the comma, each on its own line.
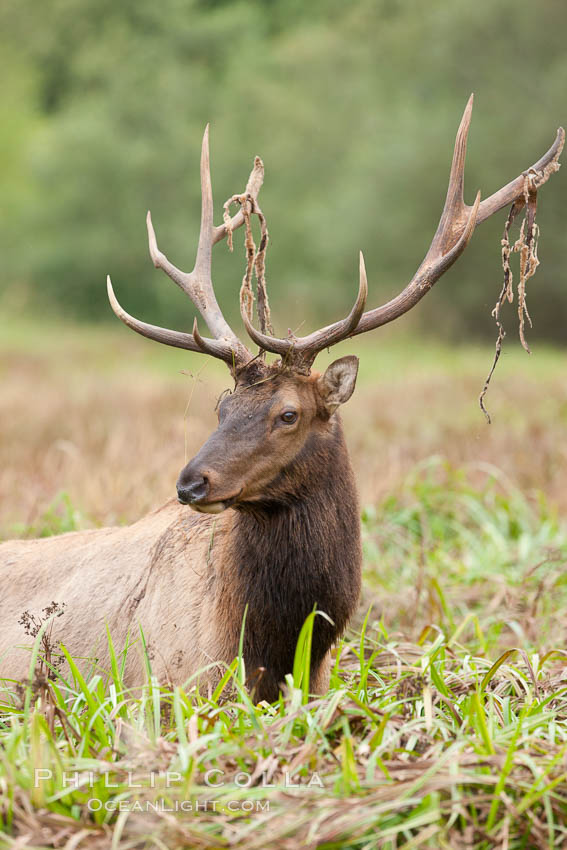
(445,725)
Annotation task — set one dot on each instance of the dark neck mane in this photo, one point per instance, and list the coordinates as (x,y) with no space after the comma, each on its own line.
(297,549)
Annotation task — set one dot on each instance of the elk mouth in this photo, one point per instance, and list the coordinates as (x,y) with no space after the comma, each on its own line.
(216,507)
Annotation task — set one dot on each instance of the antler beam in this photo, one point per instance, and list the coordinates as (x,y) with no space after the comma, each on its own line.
(456,226)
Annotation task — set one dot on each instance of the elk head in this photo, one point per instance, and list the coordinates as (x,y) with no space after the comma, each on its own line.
(277,409)
(264,426)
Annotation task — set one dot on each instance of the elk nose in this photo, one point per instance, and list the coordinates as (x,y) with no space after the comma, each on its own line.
(193,491)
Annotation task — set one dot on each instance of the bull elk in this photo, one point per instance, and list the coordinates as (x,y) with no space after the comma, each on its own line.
(274,525)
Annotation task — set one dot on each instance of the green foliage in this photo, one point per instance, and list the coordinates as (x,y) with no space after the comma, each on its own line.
(60,516)
(352,106)
(461,550)
(456,739)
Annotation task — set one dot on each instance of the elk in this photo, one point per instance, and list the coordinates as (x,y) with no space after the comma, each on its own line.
(274,526)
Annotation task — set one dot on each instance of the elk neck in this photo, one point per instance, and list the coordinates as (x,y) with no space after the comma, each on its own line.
(297,548)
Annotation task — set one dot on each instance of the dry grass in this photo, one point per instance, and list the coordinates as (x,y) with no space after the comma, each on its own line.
(100,414)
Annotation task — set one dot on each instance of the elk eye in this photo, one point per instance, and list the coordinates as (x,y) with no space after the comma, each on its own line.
(288,416)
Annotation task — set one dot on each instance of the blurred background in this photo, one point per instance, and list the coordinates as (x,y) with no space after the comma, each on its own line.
(354,109)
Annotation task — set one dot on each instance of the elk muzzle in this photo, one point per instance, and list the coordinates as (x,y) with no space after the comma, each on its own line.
(195,486)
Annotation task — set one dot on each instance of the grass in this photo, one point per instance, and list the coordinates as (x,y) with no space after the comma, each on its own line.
(445,725)
(469,549)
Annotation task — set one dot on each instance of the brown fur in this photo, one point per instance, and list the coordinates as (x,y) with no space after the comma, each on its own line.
(289,542)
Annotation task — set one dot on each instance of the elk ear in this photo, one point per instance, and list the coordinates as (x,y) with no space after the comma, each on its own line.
(337,384)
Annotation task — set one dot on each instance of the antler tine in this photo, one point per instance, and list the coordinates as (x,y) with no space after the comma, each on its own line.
(267,343)
(340,330)
(198,284)
(177,339)
(253,187)
(305,349)
(454,208)
(201,280)
(457,175)
(215,347)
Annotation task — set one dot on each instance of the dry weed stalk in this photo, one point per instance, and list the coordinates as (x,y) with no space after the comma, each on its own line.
(526,246)
(32,624)
(255,260)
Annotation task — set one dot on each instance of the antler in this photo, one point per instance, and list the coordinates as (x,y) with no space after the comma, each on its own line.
(198,284)
(456,226)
